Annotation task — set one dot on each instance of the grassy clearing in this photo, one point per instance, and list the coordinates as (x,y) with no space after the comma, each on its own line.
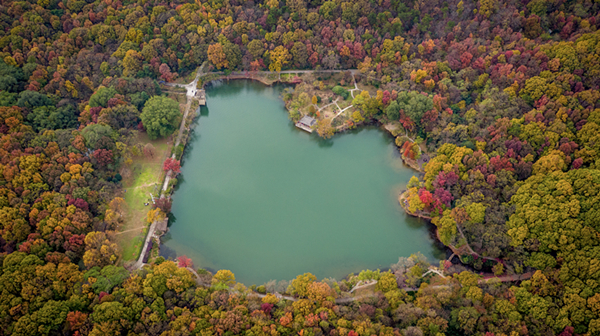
(142,177)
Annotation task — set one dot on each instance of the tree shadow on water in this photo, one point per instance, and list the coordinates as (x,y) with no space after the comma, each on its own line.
(326,143)
(312,137)
(166,237)
(193,138)
(322,143)
(415,223)
(172,219)
(167,252)
(180,181)
(204,112)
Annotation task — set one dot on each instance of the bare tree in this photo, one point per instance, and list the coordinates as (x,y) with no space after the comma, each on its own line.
(149,151)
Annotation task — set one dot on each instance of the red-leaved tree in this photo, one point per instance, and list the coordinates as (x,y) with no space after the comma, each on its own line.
(185,261)
(172,164)
(425,196)
(163,204)
(165,72)
(103,157)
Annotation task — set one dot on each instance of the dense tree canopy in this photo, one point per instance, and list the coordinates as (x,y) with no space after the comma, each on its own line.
(497,101)
(160,116)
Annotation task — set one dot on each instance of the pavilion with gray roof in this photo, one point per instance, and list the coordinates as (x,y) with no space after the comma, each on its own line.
(307,123)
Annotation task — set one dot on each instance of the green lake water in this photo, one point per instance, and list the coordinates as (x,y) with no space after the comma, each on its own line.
(268,201)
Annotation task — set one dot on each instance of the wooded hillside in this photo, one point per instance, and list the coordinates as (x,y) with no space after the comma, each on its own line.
(504,95)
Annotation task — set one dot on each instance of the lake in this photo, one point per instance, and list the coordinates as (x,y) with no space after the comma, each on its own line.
(268,201)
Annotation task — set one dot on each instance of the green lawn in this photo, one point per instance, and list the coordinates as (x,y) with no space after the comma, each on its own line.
(132,250)
(146,177)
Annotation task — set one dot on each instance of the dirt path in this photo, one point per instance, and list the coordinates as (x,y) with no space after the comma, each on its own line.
(198,281)
(470,249)
(143,185)
(341,111)
(507,278)
(134,229)
(363,285)
(322,107)
(172,92)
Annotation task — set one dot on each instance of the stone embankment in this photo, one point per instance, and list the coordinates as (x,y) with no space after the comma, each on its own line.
(190,97)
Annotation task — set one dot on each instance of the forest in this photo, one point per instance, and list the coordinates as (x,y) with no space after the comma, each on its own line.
(503,95)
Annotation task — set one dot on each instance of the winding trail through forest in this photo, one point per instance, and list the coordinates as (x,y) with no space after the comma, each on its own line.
(506,278)
(471,250)
(403,200)
(372,282)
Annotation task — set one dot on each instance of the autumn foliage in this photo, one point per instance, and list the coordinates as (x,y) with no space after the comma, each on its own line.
(503,94)
(171,164)
(183,261)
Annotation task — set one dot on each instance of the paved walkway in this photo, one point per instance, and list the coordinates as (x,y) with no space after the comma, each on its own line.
(506,278)
(190,94)
(341,111)
(140,262)
(322,107)
(360,285)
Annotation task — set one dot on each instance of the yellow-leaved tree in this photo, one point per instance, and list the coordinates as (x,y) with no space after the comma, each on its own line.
(216,54)
(279,57)
(100,250)
(155,215)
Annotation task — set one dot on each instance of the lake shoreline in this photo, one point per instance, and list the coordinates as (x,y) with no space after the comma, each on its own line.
(379,124)
(260,79)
